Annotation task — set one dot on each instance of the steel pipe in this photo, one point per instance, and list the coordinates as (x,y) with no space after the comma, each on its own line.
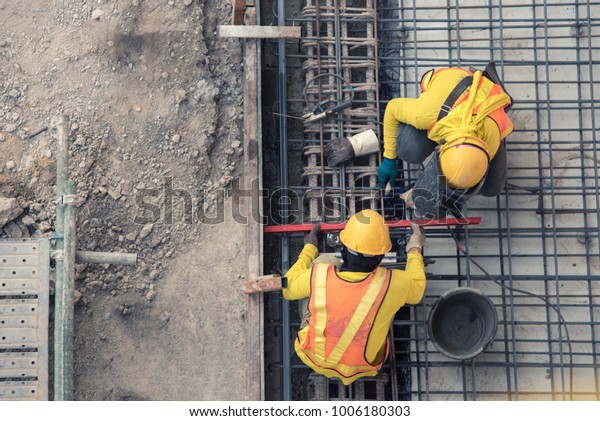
(98,257)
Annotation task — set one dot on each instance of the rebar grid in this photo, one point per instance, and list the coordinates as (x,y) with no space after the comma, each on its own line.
(541,234)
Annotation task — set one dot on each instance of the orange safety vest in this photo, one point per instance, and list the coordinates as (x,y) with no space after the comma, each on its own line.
(335,340)
(485,89)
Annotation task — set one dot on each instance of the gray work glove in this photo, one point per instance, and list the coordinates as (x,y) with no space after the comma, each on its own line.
(342,149)
(312,236)
(338,150)
(417,239)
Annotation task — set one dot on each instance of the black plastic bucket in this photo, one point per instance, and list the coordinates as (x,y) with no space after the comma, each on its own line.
(462,323)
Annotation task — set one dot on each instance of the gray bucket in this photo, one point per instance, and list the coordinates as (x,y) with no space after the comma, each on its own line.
(462,323)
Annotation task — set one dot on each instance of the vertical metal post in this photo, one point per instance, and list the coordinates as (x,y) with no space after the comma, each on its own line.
(65,267)
(68,290)
(62,165)
(284,208)
(340,96)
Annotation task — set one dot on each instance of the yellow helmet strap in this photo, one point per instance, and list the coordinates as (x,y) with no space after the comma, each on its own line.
(449,145)
(487,155)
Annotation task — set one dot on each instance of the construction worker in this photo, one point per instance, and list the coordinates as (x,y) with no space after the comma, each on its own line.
(347,306)
(462,114)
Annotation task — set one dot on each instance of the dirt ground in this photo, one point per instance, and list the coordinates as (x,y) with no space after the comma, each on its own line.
(154,99)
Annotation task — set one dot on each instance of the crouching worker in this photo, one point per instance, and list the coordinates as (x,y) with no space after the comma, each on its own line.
(347,306)
(461,115)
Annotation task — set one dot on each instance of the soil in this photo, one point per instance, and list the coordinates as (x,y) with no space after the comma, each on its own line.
(154,100)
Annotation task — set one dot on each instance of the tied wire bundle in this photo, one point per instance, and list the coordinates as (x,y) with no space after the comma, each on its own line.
(466,124)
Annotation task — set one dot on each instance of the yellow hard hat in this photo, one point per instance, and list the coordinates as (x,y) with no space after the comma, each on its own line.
(464,161)
(366,232)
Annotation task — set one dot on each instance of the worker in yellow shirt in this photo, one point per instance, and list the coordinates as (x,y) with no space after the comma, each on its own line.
(347,306)
(460,113)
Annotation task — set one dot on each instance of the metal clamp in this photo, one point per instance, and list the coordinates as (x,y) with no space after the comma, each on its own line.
(70,199)
(56,254)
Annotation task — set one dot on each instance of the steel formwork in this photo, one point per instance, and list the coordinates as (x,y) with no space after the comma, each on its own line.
(536,254)
(24,312)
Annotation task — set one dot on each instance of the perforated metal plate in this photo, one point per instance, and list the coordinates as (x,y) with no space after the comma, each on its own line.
(24,291)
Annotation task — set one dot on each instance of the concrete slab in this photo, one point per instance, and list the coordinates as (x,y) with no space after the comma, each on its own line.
(545,244)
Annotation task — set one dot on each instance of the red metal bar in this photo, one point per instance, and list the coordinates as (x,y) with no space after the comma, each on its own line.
(278,229)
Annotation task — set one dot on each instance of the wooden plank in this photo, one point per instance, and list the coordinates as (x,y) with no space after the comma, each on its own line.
(253,235)
(239,7)
(247,31)
(265,283)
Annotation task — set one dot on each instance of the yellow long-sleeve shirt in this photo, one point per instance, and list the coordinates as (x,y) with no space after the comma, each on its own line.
(422,112)
(406,287)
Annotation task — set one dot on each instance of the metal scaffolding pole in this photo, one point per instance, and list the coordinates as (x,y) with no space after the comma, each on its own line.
(66,256)
(65,266)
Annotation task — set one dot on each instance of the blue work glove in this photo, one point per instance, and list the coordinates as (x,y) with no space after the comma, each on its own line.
(388,171)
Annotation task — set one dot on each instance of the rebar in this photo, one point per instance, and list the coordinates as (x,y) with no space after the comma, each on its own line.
(340,41)
(539,235)
(545,54)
